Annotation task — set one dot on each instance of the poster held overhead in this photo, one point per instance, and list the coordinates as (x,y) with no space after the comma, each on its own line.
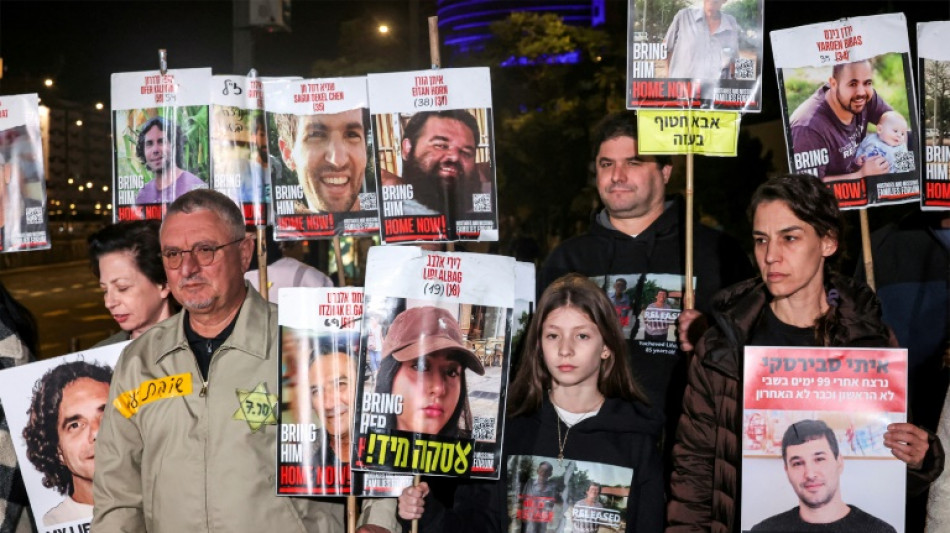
(435,155)
(934,68)
(697,54)
(318,132)
(239,159)
(160,131)
(23,215)
(849,107)
(444,322)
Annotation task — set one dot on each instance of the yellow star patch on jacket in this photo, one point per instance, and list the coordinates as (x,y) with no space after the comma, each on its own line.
(258,407)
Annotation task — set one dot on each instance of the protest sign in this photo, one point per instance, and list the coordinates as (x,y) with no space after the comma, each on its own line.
(239,160)
(694,54)
(320,340)
(435,155)
(23,215)
(688,132)
(445,325)
(812,437)
(849,107)
(56,459)
(934,67)
(160,135)
(323,179)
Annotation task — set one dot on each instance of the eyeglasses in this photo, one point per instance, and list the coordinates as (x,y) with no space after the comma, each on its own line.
(203,254)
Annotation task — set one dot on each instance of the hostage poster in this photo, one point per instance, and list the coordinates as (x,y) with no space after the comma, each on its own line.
(323,178)
(239,162)
(849,108)
(934,66)
(695,54)
(546,495)
(435,155)
(160,132)
(320,341)
(812,439)
(438,336)
(56,459)
(23,213)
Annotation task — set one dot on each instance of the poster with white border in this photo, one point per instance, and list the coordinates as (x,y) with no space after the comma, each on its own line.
(812,441)
(849,107)
(23,222)
(160,135)
(323,180)
(933,64)
(53,408)
(435,155)
(445,323)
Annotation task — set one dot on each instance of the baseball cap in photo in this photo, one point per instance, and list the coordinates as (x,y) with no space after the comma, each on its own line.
(420,331)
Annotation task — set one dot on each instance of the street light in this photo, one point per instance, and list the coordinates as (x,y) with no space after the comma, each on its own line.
(99,106)
(79,123)
(48,82)
(383,29)
(88,184)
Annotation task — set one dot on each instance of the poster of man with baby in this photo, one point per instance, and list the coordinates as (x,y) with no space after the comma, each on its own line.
(849,107)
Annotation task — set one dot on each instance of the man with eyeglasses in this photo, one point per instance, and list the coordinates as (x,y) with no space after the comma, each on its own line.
(189,438)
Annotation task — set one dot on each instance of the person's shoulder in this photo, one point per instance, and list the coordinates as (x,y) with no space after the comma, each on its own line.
(866,522)
(779,522)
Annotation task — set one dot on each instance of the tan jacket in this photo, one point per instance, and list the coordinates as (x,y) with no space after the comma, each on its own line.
(175,455)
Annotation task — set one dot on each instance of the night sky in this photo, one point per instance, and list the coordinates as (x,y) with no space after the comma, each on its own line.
(80,43)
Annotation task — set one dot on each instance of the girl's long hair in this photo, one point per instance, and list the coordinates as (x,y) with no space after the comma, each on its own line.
(533,379)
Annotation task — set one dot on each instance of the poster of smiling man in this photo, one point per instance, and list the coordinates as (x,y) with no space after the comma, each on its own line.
(849,107)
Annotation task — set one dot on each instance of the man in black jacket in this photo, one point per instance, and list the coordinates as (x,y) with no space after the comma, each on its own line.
(640,236)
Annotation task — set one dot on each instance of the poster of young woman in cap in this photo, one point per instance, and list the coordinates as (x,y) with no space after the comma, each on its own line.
(319,352)
(435,404)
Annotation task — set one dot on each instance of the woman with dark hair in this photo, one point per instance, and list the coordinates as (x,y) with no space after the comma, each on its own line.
(797,301)
(424,362)
(125,257)
(573,407)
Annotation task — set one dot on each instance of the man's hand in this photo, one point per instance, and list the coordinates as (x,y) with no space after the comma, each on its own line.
(690,326)
(412,501)
(875,166)
(908,443)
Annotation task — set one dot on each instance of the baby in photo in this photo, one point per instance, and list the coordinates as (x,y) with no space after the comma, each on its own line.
(890,141)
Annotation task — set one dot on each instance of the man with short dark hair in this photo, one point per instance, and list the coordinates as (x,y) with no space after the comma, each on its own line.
(640,233)
(189,441)
(159,148)
(814,466)
(67,406)
(827,128)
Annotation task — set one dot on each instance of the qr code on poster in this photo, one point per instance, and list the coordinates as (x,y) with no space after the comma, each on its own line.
(481,203)
(34,215)
(484,428)
(903,161)
(367,201)
(745,69)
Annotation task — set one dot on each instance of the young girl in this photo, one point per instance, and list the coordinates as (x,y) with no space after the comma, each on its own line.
(579,446)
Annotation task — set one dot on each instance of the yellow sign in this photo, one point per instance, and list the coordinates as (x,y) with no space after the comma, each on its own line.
(258,407)
(685,131)
(129,402)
